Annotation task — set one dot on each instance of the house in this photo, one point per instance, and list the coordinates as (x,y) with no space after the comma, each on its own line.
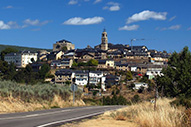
(81,77)
(122,67)
(112,80)
(100,54)
(22,58)
(138,48)
(97,78)
(106,63)
(138,85)
(59,45)
(154,70)
(42,55)
(36,66)
(64,63)
(87,56)
(64,75)
(55,55)
(69,54)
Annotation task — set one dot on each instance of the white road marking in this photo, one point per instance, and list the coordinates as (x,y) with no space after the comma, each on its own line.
(48,113)
(76,118)
(34,115)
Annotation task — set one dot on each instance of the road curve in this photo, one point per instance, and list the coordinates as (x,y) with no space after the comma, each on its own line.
(52,117)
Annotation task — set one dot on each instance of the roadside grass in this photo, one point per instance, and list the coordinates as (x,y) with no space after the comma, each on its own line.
(21,98)
(141,115)
(144,115)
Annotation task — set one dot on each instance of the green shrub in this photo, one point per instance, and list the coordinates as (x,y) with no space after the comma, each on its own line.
(38,92)
(182,101)
(135,99)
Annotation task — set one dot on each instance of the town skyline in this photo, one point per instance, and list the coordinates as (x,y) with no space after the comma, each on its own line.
(164,25)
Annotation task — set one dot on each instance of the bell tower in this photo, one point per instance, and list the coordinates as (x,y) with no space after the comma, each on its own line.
(104,40)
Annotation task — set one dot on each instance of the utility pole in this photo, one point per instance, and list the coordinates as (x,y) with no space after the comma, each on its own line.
(156,96)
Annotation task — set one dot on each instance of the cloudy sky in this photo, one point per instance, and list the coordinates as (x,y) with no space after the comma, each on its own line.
(163,24)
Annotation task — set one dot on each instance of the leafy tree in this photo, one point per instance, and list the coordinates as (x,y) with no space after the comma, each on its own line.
(135,98)
(129,76)
(43,72)
(29,75)
(176,77)
(3,67)
(74,64)
(92,62)
(131,86)
(6,51)
(11,72)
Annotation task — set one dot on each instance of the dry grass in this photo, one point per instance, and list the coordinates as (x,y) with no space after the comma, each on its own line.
(10,104)
(140,115)
(144,115)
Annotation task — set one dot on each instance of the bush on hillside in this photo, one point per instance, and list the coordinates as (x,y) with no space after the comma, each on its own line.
(36,92)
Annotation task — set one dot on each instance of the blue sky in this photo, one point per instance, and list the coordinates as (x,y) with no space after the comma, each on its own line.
(164,24)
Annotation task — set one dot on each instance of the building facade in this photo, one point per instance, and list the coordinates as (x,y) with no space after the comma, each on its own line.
(21,59)
(104,41)
(59,45)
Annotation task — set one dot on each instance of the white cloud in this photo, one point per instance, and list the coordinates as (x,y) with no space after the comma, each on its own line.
(129,28)
(8,7)
(13,24)
(72,2)
(35,22)
(146,15)
(97,1)
(81,21)
(172,18)
(112,6)
(175,27)
(4,26)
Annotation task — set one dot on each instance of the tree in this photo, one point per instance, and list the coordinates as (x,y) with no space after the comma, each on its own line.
(3,67)
(92,62)
(176,78)
(74,64)
(131,86)
(44,71)
(29,77)
(11,72)
(135,98)
(129,76)
(6,51)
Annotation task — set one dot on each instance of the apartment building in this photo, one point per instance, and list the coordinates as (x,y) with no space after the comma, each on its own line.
(21,59)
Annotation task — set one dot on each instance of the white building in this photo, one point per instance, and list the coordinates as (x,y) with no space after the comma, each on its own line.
(95,77)
(139,85)
(153,71)
(81,78)
(21,59)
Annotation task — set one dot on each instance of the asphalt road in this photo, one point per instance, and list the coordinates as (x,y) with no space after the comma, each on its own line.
(53,117)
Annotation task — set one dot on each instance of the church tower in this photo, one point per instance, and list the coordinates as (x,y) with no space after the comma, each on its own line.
(104,40)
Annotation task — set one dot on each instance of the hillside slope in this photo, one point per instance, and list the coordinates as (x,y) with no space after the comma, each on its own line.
(21,48)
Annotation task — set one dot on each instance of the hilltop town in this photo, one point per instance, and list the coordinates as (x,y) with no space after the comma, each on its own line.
(98,67)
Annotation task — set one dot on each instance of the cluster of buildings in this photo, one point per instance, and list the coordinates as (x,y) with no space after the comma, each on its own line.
(119,57)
